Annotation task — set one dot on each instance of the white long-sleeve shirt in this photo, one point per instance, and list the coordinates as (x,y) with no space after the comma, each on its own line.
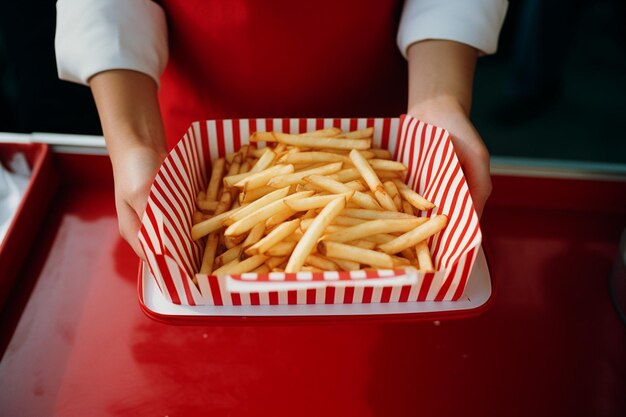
(98,35)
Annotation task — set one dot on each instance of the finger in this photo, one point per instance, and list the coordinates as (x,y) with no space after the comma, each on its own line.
(470,149)
(129,225)
(479,183)
(474,159)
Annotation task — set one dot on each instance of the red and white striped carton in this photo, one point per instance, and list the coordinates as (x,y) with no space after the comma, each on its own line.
(433,171)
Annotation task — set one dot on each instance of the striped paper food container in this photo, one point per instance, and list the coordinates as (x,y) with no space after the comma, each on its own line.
(433,171)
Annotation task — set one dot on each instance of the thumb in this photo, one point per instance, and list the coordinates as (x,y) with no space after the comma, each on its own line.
(129,224)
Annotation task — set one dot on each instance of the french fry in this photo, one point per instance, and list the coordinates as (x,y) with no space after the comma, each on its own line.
(353,253)
(210,225)
(345,175)
(328,184)
(222,269)
(424,259)
(243,151)
(232,241)
(266,159)
(295,236)
(375,227)
(248,222)
(399,261)
(407,207)
(216,177)
(256,233)
(261,178)
(347,221)
(264,162)
(321,263)
(322,142)
(210,248)
(372,180)
(225,203)
(309,215)
(242,267)
(391,175)
(275,261)
(346,265)
(381,153)
(258,152)
(263,269)
(380,238)
(196,217)
(307,268)
(367,154)
(275,236)
(253,195)
(317,201)
(231,254)
(362,243)
(413,237)
(280,148)
(412,197)
(306,223)
(262,137)
(244,168)
(323,133)
(306,245)
(386,165)
(233,169)
(392,190)
(313,157)
(374,214)
(282,249)
(289,179)
(309,187)
(279,217)
(359,134)
(260,203)
(207,205)
(408,254)
(356,185)
(397,201)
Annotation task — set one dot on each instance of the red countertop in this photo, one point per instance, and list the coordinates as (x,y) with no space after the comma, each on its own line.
(77,343)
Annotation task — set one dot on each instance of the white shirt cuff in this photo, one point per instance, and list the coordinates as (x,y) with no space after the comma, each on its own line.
(99,35)
(476,23)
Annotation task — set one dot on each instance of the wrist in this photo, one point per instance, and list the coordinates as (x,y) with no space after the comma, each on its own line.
(126,142)
(129,112)
(444,103)
(441,75)
(133,152)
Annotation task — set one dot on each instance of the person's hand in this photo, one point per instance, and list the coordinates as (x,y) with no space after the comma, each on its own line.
(440,93)
(469,147)
(131,122)
(133,173)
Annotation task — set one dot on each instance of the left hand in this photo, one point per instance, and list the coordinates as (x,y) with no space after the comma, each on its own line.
(440,93)
(470,148)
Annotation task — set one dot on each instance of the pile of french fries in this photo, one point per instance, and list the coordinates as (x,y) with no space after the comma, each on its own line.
(319,201)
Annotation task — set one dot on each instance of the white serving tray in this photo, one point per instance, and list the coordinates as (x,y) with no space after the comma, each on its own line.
(477,293)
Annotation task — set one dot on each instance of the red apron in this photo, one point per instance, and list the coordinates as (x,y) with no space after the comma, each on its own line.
(281,58)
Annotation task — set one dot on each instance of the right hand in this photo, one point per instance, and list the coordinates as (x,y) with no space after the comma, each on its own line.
(131,121)
(133,172)
(470,148)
